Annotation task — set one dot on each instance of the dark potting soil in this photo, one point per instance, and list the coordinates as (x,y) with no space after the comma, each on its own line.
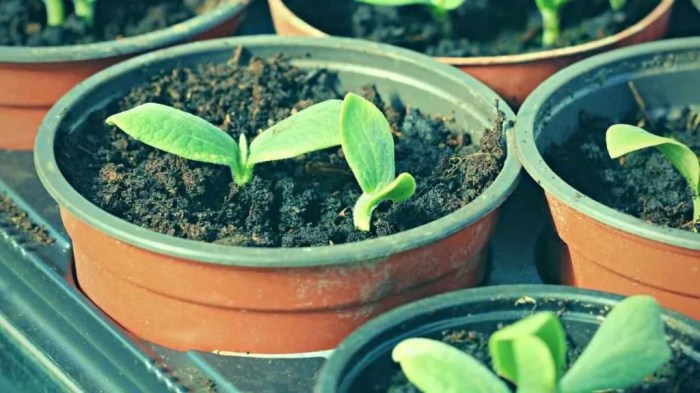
(680,374)
(477,28)
(643,184)
(23,22)
(298,202)
(18,220)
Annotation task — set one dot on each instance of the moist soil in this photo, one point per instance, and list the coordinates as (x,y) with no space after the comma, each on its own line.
(477,28)
(23,22)
(305,201)
(11,216)
(643,184)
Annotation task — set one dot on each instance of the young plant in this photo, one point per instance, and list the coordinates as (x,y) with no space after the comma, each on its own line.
(368,146)
(56,14)
(622,139)
(550,10)
(193,138)
(85,9)
(629,345)
(439,8)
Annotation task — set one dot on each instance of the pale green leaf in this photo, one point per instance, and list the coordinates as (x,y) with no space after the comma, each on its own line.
(435,367)
(536,370)
(545,326)
(617,4)
(447,5)
(399,190)
(367,143)
(178,132)
(314,128)
(629,345)
(622,139)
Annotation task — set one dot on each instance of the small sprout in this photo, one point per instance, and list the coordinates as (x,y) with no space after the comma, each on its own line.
(629,346)
(622,139)
(617,5)
(368,146)
(193,138)
(439,8)
(55,12)
(85,9)
(550,10)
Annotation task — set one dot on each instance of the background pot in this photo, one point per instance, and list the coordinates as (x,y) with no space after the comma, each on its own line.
(603,248)
(193,295)
(34,78)
(364,358)
(524,71)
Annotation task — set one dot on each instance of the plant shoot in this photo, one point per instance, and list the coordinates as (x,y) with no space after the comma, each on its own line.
(56,14)
(439,8)
(551,10)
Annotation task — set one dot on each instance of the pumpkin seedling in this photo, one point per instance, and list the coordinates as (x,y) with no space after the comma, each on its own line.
(439,8)
(368,146)
(629,345)
(550,10)
(56,14)
(193,138)
(622,139)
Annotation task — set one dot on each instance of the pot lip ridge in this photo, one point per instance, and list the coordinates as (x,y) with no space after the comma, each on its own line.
(363,251)
(170,35)
(535,165)
(333,369)
(663,8)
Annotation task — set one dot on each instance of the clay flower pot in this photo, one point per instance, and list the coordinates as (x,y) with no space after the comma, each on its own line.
(602,247)
(187,295)
(34,78)
(512,76)
(362,362)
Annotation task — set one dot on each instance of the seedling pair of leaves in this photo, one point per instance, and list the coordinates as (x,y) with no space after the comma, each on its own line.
(56,14)
(622,139)
(354,123)
(629,345)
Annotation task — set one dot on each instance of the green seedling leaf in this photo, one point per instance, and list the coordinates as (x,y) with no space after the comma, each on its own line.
(622,139)
(629,345)
(368,146)
(535,365)
(55,12)
(549,9)
(544,326)
(447,5)
(435,367)
(311,129)
(85,9)
(617,4)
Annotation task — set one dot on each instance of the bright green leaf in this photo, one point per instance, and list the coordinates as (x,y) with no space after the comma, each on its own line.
(367,143)
(535,365)
(617,4)
(314,128)
(55,12)
(545,326)
(446,5)
(629,345)
(435,367)
(400,190)
(180,133)
(622,139)
(85,9)
(549,10)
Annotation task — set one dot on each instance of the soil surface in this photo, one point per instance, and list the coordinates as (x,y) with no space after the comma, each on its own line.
(477,28)
(23,22)
(643,184)
(17,219)
(305,201)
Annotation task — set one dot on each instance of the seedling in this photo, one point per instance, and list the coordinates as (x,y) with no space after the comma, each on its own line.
(622,139)
(629,345)
(191,137)
(550,10)
(368,145)
(56,15)
(439,8)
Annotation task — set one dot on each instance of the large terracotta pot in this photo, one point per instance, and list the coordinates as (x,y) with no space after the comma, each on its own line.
(34,78)
(603,248)
(512,76)
(186,295)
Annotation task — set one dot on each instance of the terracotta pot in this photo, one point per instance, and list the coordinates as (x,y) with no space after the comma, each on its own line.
(34,78)
(603,248)
(524,71)
(186,295)
(363,361)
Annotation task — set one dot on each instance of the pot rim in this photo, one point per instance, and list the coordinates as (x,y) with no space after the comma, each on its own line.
(128,46)
(534,163)
(333,368)
(660,10)
(363,251)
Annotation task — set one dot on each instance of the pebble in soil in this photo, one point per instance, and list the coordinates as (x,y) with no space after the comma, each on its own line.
(643,184)
(298,202)
(23,22)
(477,28)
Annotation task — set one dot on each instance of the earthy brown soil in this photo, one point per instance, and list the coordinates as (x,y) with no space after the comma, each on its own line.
(299,202)
(477,28)
(23,22)
(18,220)
(643,184)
